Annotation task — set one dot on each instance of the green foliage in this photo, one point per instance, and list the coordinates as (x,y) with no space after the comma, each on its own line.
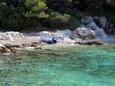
(113,18)
(16,17)
(21,14)
(59,20)
(36,8)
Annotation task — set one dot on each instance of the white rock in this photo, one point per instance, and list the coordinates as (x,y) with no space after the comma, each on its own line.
(29,48)
(2,45)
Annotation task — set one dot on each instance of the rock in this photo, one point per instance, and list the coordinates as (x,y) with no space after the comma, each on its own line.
(47,37)
(54,37)
(103,22)
(2,45)
(29,48)
(12,49)
(68,41)
(2,48)
(90,42)
(99,31)
(44,33)
(93,26)
(9,48)
(10,35)
(60,35)
(86,19)
(38,47)
(49,40)
(11,45)
(34,44)
(85,33)
(76,37)
(25,45)
(6,50)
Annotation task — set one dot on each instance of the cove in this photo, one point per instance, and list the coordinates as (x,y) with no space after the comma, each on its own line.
(65,66)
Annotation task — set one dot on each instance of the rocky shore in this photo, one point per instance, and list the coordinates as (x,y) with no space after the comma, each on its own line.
(88,34)
(11,42)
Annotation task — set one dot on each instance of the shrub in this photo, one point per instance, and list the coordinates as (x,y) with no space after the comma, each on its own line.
(58,20)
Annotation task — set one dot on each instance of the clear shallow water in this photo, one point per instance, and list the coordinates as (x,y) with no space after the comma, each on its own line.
(75,66)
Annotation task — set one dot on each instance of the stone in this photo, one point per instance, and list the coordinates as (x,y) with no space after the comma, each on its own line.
(87,19)
(68,41)
(29,48)
(90,42)
(43,33)
(12,49)
(6,50)
(11,35)
(2,48)
(38,47)
(2,45)
(100,33)
(34,44)
(11,45)
(60,35)
(103,22)
(47,38)
(92,25)
(85,33)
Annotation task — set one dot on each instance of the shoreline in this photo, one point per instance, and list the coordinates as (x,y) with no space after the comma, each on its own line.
(11,42)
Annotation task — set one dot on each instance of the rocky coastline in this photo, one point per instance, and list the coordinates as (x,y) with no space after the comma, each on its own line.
(89,33)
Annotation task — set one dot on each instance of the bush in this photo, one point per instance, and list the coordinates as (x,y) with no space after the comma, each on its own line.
(58,20)
(16,16)
(21,14)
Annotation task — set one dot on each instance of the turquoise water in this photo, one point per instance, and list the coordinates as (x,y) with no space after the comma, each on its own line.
(71,66)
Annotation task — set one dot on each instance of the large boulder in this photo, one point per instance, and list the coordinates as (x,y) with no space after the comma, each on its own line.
(100,33)
(85,33)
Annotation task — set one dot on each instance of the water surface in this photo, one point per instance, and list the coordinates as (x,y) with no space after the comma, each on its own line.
(69,66)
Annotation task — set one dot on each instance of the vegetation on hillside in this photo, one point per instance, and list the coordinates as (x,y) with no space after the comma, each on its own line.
(21,14)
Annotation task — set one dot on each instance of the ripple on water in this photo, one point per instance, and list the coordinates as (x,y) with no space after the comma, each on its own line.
(94,66)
